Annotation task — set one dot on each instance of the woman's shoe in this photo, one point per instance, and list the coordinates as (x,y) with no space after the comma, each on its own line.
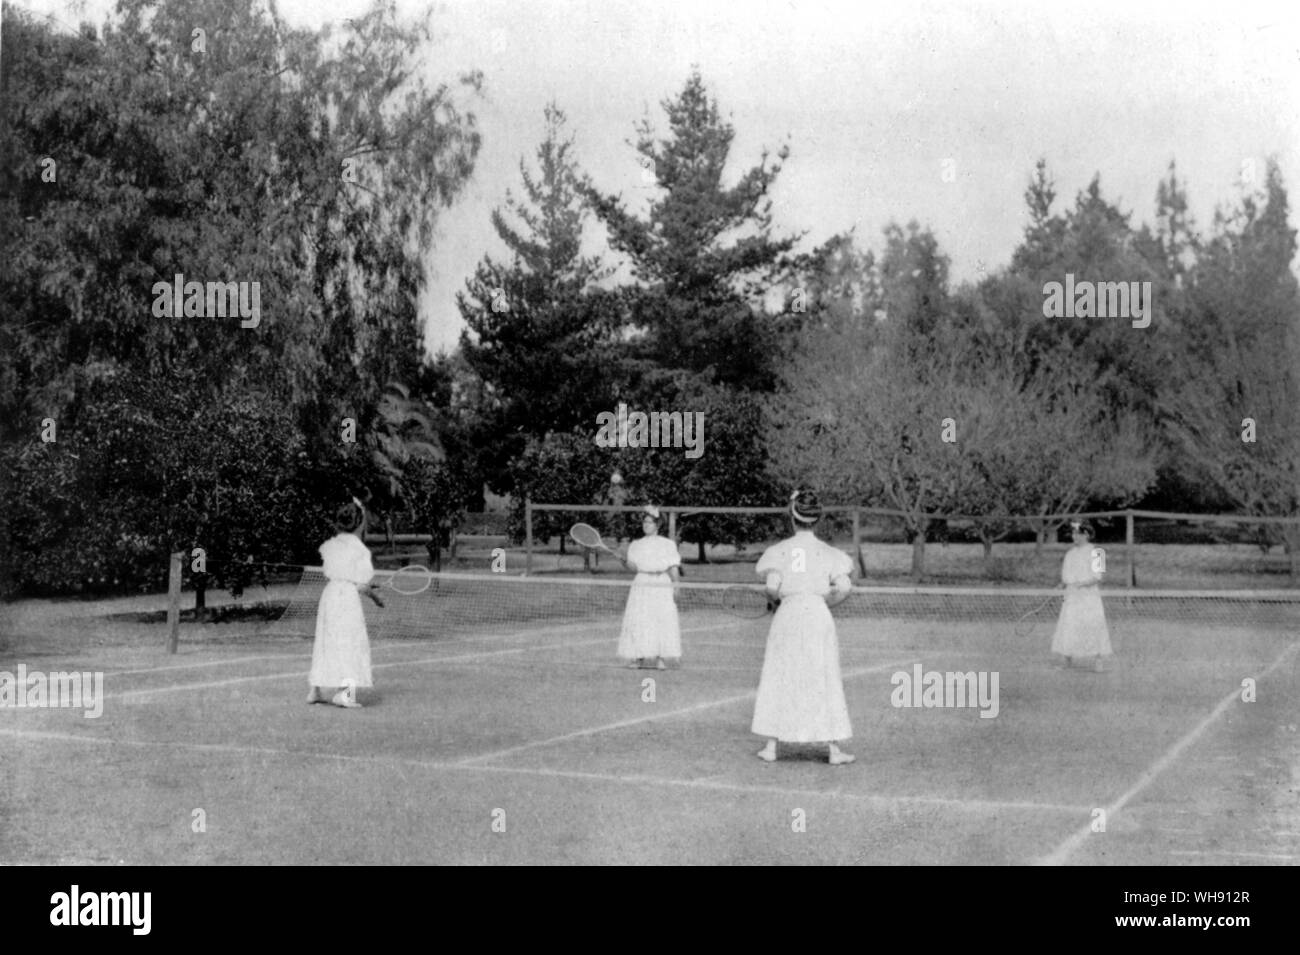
(341,698)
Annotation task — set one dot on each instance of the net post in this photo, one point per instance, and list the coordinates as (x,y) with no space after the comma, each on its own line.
(528,537)
(174,601)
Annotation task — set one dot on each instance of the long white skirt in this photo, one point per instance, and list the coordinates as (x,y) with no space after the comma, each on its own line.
(341,654)
(650,625)
(1081,628)
(801,692)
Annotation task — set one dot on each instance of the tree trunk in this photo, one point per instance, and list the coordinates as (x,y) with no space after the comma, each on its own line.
(702,560)
(918,552)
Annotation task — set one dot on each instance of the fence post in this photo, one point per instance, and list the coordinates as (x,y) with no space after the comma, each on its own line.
(1291,536)
(528,537)
(1130,548)
(857,541)
(672,526)
(174,601)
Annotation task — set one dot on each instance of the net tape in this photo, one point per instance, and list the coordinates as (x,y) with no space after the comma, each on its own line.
(464,602)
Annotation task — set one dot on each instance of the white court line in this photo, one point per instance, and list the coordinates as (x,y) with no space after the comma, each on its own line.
(688,667)
(878,801)
(375,648)
(1066,848)
(974,805)
(660,715)
(232,748)
(233,681)
(1242,855)
(210,663)
(411,645)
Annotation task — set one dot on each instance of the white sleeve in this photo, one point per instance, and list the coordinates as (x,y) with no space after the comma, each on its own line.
(773,559)
(841,569)
(363,570)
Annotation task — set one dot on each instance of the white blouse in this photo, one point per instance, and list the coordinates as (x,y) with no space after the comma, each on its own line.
(347,559)
(802,564)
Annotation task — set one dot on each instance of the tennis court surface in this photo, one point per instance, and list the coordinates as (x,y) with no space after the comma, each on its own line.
(502,730)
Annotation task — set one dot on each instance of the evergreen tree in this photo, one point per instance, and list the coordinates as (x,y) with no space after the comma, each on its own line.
(703,257)
(541,335)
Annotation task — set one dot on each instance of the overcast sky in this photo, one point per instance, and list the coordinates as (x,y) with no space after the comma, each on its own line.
(872,98)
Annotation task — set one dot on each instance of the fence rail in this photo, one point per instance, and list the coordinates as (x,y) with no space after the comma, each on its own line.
(1150,538)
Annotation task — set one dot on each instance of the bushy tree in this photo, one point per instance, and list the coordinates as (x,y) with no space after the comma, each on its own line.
(438,496)
(153,467)
(729,430)
(916,412)
(558,468)
(1234,414)
(311,169)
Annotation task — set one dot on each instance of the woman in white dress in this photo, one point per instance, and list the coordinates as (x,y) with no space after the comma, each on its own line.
(801,693)
(340,658)
(1081,630)
(651,630)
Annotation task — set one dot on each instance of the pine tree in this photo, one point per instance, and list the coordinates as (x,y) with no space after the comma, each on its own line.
(541,334)
(703,256)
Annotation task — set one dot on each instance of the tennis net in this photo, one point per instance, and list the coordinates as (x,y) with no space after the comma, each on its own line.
(458,603)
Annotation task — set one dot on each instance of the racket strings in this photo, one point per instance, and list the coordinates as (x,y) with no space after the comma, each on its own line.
(411,580)
(587,536)
(1045,610)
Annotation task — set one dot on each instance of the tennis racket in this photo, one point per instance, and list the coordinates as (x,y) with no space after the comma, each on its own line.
(410,580)
(1027,621)
(590,538)
(750,603)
